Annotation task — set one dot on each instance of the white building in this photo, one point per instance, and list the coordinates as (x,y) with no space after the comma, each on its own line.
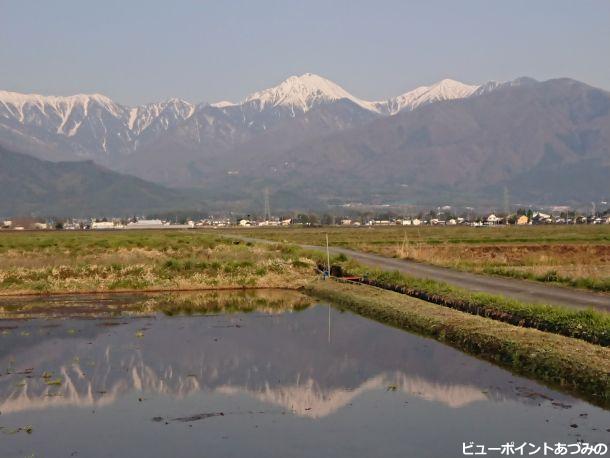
(492,220)
(146,224)
(102,225)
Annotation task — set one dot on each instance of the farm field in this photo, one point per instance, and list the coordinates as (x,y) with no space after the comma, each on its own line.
(66,263)
(575,256)
(60,262)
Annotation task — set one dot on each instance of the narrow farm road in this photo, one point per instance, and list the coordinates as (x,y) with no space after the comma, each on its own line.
(523,290)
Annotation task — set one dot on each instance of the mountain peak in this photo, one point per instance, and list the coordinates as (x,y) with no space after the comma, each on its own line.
(302,93)
(177,101)
(451,89)
(445,89)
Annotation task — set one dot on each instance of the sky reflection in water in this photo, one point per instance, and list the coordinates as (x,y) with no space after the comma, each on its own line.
(266,383)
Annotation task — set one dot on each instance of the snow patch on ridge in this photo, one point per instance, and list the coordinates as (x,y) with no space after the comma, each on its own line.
(223,104)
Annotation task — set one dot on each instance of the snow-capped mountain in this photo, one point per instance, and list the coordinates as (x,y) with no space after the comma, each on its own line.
(83,125)
(95,127)
(314,141)
(159,116)
(446,89)
(66,112)
(302,93)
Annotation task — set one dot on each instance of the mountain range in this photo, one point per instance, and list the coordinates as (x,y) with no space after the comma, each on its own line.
(312,143)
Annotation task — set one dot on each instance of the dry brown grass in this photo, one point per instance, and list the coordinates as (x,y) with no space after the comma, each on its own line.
(135,261)
(573,260)
(571,255)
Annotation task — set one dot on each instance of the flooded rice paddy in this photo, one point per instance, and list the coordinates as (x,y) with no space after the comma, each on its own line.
(254,374)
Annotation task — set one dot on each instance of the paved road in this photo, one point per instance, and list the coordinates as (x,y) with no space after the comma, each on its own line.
(524,290)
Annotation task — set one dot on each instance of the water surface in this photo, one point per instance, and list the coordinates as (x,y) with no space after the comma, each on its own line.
(277,381)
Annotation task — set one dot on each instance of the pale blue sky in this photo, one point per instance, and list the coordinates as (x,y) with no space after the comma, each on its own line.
(143,51)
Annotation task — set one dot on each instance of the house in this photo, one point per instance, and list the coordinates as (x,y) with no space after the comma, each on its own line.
(346,222)
(452,222)
(492,220)
(41,226)
(539,218)
(244,222)
(416,222)
(523,219)
(6,224)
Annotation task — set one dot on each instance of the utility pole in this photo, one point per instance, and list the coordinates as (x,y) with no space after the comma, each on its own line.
(327,256)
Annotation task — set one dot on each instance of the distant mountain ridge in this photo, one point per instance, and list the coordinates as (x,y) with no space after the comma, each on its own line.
(543,142)
(32,187)
(95,127)
(312,143)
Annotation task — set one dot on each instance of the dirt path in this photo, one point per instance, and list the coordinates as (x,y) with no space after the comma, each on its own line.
(523,290)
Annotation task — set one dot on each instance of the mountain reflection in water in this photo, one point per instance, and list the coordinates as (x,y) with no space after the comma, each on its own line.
(277,361)
(284,359)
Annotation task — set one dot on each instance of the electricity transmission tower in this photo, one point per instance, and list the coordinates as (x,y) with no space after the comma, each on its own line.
(267,206)
(506,201)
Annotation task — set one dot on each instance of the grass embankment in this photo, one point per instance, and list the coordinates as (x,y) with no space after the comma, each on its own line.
(589,325)
(141,260)
(572,364)
(568,255)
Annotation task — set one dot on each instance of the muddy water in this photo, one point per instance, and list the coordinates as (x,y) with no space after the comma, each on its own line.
(277,381)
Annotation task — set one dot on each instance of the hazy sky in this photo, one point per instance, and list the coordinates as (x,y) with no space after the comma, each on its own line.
(143,51)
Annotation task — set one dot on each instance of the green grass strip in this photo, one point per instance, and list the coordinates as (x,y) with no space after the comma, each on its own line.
(590,325)
(571,364)
(586,324)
